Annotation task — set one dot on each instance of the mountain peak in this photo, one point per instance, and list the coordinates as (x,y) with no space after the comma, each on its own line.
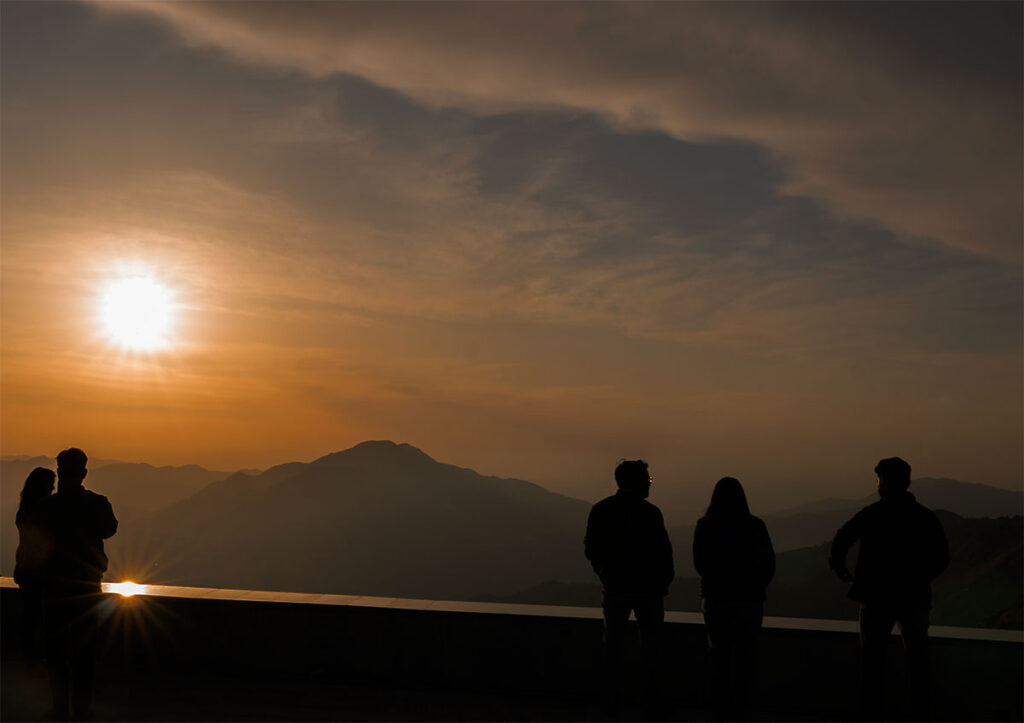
(382,451)
(374,444)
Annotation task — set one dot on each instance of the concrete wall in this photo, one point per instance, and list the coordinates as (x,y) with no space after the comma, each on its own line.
(808,674)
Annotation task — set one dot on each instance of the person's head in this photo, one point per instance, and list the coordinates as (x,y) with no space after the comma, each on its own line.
(728,499)
(71,467)
(893,476)
(38,485)
(632,477)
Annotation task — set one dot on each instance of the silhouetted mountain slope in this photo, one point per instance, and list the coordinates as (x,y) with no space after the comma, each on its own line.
(147,487)
(967,499)
(981,588)
(815,522)
(984,583)
(136,485)
(136,490)
(380,519)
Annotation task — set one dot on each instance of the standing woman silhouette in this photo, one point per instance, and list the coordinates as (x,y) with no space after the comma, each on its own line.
(733,555)
(34,546)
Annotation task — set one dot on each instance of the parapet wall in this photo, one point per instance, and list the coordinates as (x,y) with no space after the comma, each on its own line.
(808,668)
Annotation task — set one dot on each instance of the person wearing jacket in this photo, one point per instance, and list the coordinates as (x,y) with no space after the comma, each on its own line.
(628,547)
(32,555)
(733,554)
(902,549)
(77,521)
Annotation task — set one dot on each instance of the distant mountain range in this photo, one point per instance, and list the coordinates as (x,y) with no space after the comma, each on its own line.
(380,519)
(386,519)
(137,490)
(967,499)
(136,485)
(816,522)
(981,588)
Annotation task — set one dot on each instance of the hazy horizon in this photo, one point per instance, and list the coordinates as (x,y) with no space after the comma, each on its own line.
(674,495)
(774,241)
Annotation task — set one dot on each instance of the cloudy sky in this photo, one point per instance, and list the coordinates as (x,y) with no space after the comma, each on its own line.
(767,240)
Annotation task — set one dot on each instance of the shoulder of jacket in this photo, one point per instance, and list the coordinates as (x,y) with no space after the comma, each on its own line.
(873,509)
(708,525)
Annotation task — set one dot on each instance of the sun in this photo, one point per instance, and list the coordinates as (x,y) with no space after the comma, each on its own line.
(137,313)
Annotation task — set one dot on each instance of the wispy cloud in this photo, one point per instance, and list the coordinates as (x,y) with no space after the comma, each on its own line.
(871,126)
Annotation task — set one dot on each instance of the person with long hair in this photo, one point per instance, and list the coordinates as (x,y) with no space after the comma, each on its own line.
(733,554)
(34,547)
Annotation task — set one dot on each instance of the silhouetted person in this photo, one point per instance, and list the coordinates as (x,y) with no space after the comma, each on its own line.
(629,549)
(34,547)
(902,549)
(77,521)
(733,555)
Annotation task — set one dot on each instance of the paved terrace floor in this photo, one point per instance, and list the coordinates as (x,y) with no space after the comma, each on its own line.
(131,692)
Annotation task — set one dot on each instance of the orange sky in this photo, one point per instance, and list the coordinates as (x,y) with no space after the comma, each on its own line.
(528,255)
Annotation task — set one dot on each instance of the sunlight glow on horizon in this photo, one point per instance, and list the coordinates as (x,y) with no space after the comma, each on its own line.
(126,588)
(138,313)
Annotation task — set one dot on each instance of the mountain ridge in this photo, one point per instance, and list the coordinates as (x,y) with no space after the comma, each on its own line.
(981,588)
(386,518)
(367,520)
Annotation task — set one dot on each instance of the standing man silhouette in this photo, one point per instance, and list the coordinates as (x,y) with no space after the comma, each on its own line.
(902,549)
(629,549)
(77,521)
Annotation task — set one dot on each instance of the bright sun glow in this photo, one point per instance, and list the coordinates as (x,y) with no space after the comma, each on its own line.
(126,588)
(138,313)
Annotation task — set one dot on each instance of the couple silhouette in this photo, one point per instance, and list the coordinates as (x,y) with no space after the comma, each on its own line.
(902,549)
(59,564)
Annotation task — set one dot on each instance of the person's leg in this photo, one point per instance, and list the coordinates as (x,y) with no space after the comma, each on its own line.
(32,621)
(876,624)
(650,619)
(56,635)
(616,624)
(84,635)
(748,619)
(914,630)
(717,621)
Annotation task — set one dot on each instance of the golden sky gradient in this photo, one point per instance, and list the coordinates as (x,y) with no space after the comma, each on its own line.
(772,241)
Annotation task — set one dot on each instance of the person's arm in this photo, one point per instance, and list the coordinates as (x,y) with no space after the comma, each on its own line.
(700,548)
(667,563)
(845,537)
(768,553)
(594,541)
(106,523)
